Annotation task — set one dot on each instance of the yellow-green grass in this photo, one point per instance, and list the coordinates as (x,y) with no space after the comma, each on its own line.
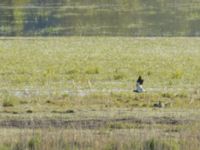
(51,74)
(53,62)
(91,79)
(97,101)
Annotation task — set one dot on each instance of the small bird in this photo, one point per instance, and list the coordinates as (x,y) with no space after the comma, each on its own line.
(139,83)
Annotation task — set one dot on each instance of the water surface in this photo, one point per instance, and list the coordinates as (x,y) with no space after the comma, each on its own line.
(100,17)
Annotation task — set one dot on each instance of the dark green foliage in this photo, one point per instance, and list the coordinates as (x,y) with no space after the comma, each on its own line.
(29,111)
(8,103)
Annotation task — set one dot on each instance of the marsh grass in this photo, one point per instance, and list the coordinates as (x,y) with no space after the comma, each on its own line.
(9,100)
(92,70)
(103,139)
(61,102)
(54,61)
(93,78)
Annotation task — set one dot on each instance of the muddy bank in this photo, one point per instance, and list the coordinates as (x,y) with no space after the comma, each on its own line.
(87,123)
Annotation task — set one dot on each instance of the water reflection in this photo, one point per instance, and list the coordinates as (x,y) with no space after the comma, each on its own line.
(105,17)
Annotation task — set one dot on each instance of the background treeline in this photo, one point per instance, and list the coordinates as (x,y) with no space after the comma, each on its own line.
(100,17)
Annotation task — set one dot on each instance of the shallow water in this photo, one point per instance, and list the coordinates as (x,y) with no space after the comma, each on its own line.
(94,17)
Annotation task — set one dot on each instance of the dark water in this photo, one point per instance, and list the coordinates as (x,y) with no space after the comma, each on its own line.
(100,17)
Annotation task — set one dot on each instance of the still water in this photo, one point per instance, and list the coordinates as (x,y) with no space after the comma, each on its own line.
(100,17)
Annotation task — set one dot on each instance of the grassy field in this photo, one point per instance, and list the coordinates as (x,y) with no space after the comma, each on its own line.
(54,92)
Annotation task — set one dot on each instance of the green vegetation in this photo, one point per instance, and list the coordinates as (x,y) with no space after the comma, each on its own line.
(77,93)
(68,62)
(98,72)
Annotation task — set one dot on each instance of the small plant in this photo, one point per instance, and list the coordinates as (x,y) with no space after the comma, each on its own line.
(111,146)
(182,95)
(118,76)
(72,71)
(70,111)
(23,102)
(167,95)
(34,143)
(154,144)
(170,83)
(120,125)
(149,73)
(92,70)
(29,111)
(65,95)
(8,103)
(177,74)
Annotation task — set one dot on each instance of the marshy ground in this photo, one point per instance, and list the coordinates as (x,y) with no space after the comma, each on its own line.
(76,93)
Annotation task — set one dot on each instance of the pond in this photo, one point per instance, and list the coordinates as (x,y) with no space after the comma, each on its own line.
(100,17)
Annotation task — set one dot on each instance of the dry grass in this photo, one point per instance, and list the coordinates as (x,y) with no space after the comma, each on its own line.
(154,137)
